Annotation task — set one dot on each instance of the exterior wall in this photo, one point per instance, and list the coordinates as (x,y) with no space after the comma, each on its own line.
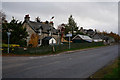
(52,41)
(97,40)
(41,37)
(29,30)
(57,38)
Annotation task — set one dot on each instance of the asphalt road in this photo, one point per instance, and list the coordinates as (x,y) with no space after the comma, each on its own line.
(74,65)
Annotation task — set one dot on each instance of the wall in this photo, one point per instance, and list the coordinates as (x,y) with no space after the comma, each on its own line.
(29,30)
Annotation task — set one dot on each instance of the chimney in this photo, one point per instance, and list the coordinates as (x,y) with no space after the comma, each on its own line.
(51,23)
(27,18)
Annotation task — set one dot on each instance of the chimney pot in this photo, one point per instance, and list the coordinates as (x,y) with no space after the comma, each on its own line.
(27,18)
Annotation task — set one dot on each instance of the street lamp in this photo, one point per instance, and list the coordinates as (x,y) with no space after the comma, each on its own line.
(8,33)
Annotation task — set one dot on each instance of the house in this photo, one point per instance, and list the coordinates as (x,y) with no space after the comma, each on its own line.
(89,32)
(108,40)
(81,38)
(42,29)
(61,28)
(84,31)
(48,40)
(98,37)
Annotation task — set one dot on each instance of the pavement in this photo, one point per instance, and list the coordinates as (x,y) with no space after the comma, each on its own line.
(80,64)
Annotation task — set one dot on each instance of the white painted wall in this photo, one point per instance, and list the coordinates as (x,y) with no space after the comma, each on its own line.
(52,39)
(97,40)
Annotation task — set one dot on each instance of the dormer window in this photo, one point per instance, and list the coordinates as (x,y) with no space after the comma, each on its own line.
(50,33)
(40,32)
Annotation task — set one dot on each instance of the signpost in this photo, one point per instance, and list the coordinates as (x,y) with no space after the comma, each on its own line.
(69,35)
(8,33)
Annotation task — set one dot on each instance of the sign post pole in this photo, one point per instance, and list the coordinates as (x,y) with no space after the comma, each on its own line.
(8,33)
(69,35)
(69,42)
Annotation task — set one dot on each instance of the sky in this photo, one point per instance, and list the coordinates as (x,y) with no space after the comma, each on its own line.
(102,16)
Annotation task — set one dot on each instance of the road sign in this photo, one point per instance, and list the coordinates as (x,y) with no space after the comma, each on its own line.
(69,35)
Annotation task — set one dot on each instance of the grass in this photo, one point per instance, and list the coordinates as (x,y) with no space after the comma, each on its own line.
(115,71)
(46,50)
(108,72)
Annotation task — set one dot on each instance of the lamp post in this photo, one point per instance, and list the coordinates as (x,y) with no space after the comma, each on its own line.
(8,33)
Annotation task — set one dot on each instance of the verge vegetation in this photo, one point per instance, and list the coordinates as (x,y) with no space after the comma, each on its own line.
(43,50)
(110,71)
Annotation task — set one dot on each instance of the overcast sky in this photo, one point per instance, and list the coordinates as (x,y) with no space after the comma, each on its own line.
(89,15)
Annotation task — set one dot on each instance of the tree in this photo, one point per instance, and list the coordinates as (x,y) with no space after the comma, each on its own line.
(2,17)
(72,25)
(113,35)
(34,40)
(18,33)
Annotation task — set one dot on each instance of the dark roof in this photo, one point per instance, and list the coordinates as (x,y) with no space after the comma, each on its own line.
(98,36)
(45,27)
(47,38)
(90,31)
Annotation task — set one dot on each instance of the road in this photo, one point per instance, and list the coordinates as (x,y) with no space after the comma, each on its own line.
(71,65)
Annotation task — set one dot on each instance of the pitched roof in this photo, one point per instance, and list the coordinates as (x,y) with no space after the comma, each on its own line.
(45,27)
(98,36)
(84,37)
(47,38)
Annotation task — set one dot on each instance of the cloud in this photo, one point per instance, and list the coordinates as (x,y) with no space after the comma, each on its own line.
(96,15)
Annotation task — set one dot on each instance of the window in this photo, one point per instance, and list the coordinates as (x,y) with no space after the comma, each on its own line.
(39,42)
(40,32)
(50,33)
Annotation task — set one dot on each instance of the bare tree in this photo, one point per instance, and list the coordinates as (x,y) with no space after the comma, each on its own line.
(2,17)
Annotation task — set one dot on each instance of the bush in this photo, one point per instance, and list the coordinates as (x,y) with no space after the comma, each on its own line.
(11,48)
(10,45)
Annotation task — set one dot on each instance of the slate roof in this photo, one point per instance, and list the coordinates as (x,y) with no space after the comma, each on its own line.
(47,38)
(45,27)
(90,31)
(98,36)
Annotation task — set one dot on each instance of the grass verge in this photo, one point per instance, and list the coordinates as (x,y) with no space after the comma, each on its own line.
(108,72)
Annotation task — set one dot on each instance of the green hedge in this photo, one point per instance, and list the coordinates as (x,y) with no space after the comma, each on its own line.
(49,49)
